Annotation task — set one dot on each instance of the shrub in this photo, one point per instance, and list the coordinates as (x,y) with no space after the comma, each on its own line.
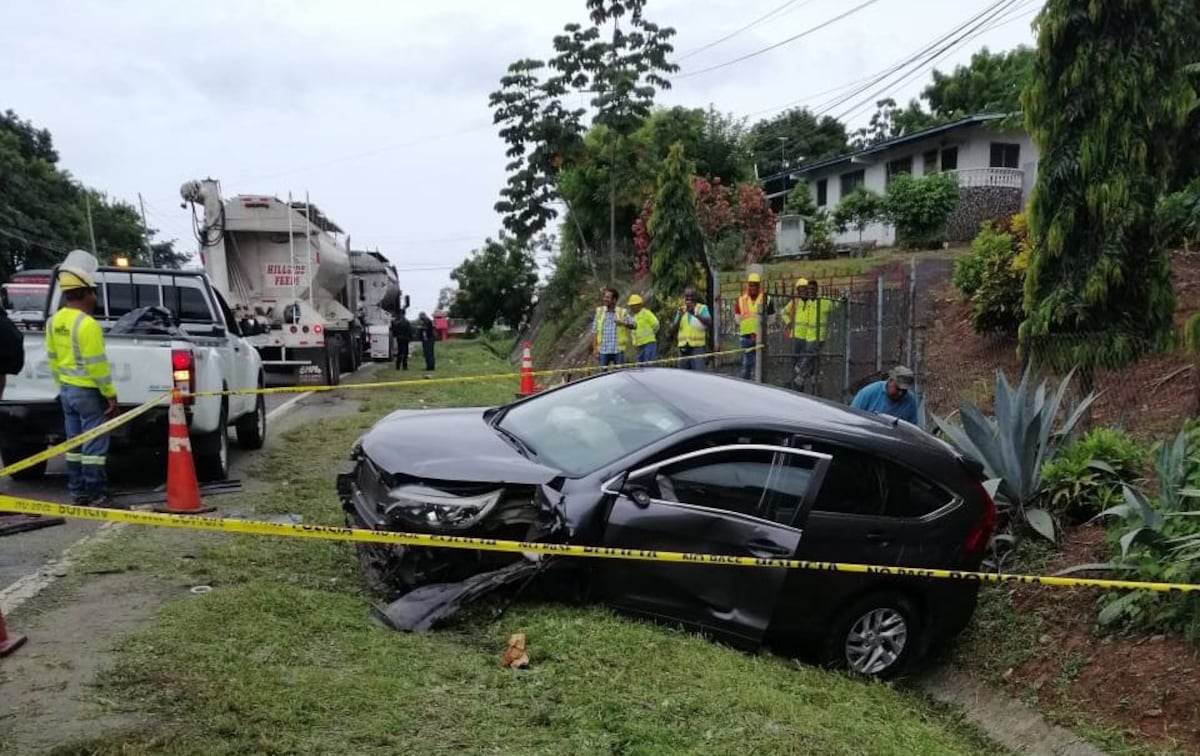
(992,275)
(1086,476)
(800,201)
(920,207)
(1178,216)
(1158,539)
(819,235)
(857,210)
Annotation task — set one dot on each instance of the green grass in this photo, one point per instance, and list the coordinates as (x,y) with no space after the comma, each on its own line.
(281,656)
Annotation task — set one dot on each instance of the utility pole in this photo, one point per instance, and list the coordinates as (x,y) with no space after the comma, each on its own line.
(782,158)
(87,198)
(146,230)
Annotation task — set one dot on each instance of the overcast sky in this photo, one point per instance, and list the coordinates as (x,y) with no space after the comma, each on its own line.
(379,109)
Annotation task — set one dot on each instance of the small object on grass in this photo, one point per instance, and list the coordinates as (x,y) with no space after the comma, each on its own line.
(515,656)
(200,590)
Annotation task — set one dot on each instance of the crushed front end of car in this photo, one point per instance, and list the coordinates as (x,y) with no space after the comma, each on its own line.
(374,499)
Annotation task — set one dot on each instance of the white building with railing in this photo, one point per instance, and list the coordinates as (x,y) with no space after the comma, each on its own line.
(994,162)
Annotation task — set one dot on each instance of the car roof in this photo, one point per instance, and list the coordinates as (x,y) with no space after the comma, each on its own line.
(711,397)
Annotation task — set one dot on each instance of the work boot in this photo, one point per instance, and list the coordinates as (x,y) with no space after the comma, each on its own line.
(105,501)
(81,501)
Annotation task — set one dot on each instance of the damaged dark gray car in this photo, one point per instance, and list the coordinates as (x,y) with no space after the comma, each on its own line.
(677,460)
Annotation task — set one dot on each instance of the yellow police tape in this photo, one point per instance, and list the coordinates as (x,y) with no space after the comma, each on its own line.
(335,533)
(469,378)
(84,437)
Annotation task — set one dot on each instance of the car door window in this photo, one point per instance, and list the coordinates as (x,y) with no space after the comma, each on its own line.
(860,483)
(762,482)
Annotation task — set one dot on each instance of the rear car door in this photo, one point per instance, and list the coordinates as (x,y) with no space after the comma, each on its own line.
(872,511)
(737,500)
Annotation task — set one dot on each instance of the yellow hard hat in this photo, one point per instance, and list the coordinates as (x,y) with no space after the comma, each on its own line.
(73,278)
(801,283)
(634,299)
(755,278)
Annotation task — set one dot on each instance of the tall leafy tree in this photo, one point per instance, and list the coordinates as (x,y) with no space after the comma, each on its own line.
(890,121)
(496,283)
(676,239)
(620,62)
(990,83)
(1107,106)
(783,140)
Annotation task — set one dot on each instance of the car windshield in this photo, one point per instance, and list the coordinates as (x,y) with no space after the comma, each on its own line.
(26,299)
(586,425)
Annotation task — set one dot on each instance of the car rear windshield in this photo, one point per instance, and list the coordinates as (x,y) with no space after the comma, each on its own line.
(584,426)
(31,298)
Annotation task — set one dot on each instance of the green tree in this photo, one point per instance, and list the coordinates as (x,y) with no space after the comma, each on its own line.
(794,135)
(446,297)
(1107,106)
(496,283)
(858,209)
(675,235)
(990,83)
(890,121)
(800,201)
(919,208)
(715,142)
(620,62)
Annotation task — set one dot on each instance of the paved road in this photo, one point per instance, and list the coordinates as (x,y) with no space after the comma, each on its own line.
(23,553)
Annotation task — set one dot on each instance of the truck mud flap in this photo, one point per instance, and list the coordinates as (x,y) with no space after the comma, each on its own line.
(419,610)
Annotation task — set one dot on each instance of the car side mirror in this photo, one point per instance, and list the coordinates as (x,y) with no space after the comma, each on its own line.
(638,495)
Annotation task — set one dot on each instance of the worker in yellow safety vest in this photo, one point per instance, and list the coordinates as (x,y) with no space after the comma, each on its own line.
(75,351)
(645,330)
(612,325)
(748,310)
(806,322)
(692,321)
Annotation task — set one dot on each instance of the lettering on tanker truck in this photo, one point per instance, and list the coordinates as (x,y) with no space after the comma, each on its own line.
(285,274)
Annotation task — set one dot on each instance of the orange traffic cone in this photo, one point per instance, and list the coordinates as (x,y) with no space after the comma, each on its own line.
(8,643)
(527,387)
(183,490)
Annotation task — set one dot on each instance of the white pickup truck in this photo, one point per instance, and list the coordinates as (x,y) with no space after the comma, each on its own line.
(205,352)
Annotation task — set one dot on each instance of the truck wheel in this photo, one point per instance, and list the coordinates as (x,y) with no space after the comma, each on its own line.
(252,428)
(11,454)
(213,463)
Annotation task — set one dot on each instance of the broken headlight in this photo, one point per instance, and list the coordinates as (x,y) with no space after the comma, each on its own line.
(422,505)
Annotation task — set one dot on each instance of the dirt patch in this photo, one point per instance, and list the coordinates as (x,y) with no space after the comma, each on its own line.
(1148,686)
(46,694)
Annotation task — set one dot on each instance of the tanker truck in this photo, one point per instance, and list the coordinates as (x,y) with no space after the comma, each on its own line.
(284,271)
(374,295)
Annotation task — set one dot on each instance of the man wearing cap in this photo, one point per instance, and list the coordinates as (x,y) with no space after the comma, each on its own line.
(746,312)
(893,396)
(75,351)
(612,325)
(806,322)
(645,330)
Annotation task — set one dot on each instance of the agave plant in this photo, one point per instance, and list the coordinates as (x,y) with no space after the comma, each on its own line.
(1013,445)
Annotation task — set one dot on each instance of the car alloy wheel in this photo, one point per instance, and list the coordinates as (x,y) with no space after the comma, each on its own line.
(876,641)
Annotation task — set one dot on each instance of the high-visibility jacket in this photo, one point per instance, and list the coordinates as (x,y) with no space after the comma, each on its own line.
(747,311)
(646,327)
(620,315)
(692,332)
(808,319)
(75,351)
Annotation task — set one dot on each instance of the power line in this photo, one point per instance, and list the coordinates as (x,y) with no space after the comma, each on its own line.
(736,32)
(777,45)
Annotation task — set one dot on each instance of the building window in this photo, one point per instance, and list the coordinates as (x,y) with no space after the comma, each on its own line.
(896,167)
(1005,155)
(950,159)
(822,193)
(930,162)
(853,180)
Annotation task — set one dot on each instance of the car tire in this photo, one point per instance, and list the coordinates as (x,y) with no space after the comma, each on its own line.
(213,463)
(252,428)
(11,454)
(875,636)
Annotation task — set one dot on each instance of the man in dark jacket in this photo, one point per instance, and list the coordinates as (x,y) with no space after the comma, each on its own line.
(12,350)
(428,335)
(402,330)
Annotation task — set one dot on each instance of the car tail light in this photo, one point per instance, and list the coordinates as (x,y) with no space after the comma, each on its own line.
(981,531)
(183,373)
(317,328)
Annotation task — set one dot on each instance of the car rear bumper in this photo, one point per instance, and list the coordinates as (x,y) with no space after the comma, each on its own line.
(40,424)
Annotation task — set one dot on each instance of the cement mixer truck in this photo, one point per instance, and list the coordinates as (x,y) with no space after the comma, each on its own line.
(284,269)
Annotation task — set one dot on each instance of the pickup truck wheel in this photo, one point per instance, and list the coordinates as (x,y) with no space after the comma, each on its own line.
(213,463)
(11,454)
(252,429)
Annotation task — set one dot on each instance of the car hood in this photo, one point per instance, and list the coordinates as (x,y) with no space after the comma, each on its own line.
(455,444)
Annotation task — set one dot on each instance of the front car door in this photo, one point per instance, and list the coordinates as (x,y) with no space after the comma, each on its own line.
(738,500)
